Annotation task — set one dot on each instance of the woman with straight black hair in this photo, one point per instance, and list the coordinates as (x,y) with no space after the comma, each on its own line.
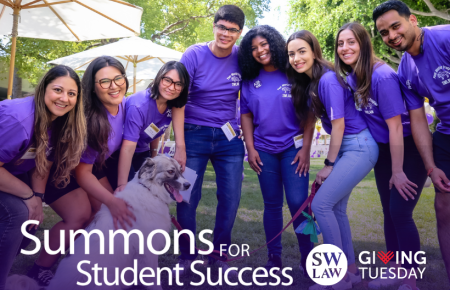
(400,173)
(36,132)
(353,151)
(148,114)
(278,143)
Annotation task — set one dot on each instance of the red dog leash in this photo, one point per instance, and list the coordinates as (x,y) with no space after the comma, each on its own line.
(217,255)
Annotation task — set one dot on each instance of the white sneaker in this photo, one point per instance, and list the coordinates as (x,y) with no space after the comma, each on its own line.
(355,278)
(225,267)
(341,285)
(406,287)
(381,283)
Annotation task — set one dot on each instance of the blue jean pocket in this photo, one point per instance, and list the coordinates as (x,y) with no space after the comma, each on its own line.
(190,127)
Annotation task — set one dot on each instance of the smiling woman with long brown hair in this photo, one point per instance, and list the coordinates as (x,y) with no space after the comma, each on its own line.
(37,132)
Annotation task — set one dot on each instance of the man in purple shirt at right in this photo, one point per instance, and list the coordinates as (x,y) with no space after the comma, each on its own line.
(424,71)
(211,130)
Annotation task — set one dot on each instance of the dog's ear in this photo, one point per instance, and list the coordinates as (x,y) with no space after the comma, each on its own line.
(148,169)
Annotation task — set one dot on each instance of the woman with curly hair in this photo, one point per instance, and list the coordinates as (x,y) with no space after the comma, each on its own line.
(353,151)
(37,131)
(273,135)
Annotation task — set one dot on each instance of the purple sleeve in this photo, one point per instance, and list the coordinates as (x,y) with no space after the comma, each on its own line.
(412,98)
(16,139)
(390,98)
(244,107)
(89,155)
(332,97)
(189,61)
(134,122)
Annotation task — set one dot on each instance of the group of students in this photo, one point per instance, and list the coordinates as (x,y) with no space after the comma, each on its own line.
(374,115)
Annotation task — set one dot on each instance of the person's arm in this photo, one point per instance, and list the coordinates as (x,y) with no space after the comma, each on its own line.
(154,147)
(247,128)
(126,155)
(117,206)
(337,133)
(38,184)
(303,155)
(422,138)
(178,129)
(399,179)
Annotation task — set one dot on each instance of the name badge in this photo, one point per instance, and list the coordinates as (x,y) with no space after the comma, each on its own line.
(30,154)
(228,130)
(152,130)
(298,141)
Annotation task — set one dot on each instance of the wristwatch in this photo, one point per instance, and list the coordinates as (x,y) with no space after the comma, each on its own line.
(41,195)
(328,163)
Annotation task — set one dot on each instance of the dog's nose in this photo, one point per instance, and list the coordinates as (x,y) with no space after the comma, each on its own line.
(186,185)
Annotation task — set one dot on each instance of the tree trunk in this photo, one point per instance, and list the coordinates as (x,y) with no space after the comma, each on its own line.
(17,86)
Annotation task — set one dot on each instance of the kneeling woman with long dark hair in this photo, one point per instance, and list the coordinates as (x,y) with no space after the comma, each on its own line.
(353,152)
(148,114)
(270,128)
(36,132)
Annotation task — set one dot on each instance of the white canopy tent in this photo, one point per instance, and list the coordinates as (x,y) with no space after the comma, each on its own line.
(141,58)
(69,20)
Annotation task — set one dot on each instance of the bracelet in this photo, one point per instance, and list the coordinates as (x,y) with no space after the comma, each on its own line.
(155,149)
(29,197)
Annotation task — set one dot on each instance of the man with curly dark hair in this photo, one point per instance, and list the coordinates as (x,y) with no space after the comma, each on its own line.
(211,131)
(278,143)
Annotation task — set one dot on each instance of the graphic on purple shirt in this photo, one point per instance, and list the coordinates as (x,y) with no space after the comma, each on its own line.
(338,103)
(268,98)
(214,87)
(90,156)
(428,75)
(385,101)
(141,111)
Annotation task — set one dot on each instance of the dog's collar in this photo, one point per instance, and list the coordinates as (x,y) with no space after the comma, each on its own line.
(154,195)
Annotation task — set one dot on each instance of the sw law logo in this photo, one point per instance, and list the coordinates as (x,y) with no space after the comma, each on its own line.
(326,264)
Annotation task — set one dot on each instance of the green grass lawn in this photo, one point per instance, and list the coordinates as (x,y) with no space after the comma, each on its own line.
(366,220)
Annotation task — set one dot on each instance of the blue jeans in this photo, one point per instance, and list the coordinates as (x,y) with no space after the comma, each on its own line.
(278,172)
(203,144)
(356,158)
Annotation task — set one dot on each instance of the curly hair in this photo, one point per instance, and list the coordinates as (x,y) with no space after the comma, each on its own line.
(249,66)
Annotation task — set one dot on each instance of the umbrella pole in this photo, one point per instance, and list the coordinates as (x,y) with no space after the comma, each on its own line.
(134,77)
(13,50)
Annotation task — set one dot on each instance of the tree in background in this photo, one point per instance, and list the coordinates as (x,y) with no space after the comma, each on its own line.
(176,24)
(324,18)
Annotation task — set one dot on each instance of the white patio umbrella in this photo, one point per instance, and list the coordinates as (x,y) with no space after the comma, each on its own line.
(140,57)
(70,20)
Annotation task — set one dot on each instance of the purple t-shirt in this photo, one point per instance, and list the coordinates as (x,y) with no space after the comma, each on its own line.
(428,75)
(338,103)
(141,112)
(385,101)
(16,131)
(268,98)
(90,156)
(214,87)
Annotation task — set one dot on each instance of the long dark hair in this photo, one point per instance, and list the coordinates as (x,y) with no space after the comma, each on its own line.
(99,128)
(249,66)
(305,90)
(184,78)
(68,132)
(365,65)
